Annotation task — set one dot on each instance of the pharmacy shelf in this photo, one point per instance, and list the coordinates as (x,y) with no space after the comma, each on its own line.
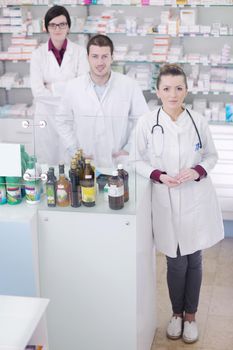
(109,4)
(179,35)
(143,61)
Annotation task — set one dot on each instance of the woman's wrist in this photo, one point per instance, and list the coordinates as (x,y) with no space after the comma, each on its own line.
(155,175)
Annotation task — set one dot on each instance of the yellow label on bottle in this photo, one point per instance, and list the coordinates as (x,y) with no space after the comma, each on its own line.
(181,2)
(88,194)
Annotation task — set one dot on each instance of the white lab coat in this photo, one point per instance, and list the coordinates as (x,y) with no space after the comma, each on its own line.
(100,127)
(187,215)
(44,68)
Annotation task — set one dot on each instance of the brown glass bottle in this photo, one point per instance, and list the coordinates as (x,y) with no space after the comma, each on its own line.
(80,164)
(125,177)
(88,185)
(63,188)
(116,191)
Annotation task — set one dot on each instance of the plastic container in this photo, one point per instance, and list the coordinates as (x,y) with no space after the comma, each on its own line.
(13,190)
(2,190)
(32,184)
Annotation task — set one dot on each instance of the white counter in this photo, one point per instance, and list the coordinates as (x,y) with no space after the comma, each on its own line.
(19,319)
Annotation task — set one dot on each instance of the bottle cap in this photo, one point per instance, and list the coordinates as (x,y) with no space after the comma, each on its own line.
(120,166)
(115,173)
(61,168)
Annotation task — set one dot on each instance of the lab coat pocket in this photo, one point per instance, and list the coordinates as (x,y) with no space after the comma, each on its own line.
(207,212)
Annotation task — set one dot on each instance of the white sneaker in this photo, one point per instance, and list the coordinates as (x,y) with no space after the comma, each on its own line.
(190,332)
(174,328)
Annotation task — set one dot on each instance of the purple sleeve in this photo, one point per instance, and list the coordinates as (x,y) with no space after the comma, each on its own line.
(201,171)
(156,174)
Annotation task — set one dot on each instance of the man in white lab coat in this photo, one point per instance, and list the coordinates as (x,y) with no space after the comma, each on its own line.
(99,109)
(52,65)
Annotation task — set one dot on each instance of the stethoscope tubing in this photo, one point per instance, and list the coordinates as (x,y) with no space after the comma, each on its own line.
(162,130)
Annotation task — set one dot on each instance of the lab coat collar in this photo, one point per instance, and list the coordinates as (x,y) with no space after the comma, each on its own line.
(94,84)
(90,83)
(176,126)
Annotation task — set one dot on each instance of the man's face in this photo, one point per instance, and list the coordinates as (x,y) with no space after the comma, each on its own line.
(100,60)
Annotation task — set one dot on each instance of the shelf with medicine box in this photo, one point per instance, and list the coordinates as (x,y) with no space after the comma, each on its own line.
(157,3)
(145,33)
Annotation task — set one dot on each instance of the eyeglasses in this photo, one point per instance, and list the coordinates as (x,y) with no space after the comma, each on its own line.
(54,26)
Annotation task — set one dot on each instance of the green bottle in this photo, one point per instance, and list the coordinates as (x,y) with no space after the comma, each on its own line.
(51,188)
(32,184)
(2,190)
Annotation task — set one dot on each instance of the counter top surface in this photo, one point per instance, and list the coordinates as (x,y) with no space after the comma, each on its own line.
(19,317)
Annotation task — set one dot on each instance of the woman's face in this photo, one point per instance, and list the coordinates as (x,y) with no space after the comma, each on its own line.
(172,92)
(58,28)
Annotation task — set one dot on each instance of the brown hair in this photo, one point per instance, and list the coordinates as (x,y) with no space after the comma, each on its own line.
(171,69)
(100,40)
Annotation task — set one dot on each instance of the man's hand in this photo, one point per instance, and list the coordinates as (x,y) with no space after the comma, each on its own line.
(122,152)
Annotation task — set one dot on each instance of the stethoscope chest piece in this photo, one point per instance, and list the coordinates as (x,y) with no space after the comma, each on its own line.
(157,134)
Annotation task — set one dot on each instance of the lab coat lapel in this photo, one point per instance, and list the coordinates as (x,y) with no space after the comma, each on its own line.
(168,123)
(68,56)
(53,64)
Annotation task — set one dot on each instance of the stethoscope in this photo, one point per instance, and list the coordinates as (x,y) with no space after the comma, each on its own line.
(157,125)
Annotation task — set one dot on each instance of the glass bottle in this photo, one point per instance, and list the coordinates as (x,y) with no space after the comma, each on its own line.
(75,190)
(116,191)
(88,185)
(63,188)
(125,176)
(51,186)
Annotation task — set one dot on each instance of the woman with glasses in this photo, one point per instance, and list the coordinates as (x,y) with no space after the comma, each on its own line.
(52,65)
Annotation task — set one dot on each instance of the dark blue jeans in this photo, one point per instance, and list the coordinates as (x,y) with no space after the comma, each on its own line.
(184,275)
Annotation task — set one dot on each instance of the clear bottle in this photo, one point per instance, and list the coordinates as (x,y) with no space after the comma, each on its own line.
(116,191)
(63,188)
(75,189)
(88,185)
(51,186)
(125,176)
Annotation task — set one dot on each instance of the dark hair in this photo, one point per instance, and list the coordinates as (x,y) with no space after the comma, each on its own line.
(56,11)
(100,40)
(171,69)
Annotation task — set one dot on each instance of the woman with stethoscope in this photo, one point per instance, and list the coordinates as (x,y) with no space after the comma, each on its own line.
(174,148)
(53,64)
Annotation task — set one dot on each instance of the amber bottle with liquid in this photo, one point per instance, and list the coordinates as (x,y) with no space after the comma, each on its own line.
(125,177)
(116,191)
(88,185)
(63,188)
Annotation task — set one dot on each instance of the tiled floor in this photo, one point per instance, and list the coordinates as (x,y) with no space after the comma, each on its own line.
(215,314)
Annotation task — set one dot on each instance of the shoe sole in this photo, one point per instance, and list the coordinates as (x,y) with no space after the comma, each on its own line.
(189,341)
(173,337)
